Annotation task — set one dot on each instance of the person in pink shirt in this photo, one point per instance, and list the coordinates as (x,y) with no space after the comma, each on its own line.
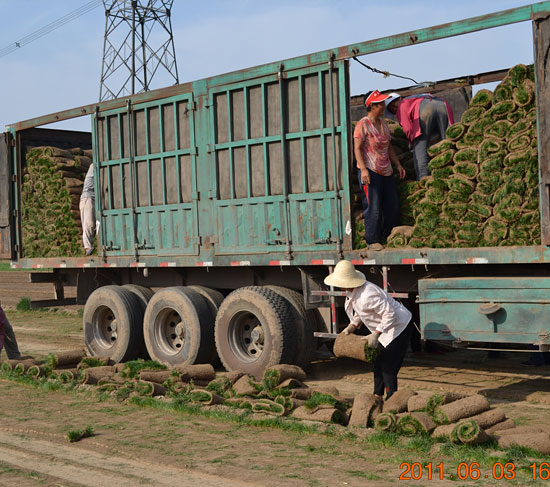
(424,119)
(374,155)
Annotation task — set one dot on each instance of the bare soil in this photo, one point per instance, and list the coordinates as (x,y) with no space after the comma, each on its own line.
(143,446)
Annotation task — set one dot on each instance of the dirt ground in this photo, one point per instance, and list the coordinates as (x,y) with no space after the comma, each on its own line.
(144,446)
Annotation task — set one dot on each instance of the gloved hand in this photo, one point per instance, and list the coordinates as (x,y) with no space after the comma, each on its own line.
(372,339)
(349,329)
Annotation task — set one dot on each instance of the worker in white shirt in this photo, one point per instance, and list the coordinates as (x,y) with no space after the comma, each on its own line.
(386,319)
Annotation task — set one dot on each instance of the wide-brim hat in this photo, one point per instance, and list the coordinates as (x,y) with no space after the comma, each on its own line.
(375,97)
(345,275)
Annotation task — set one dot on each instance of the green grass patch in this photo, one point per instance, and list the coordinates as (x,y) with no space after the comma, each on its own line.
(24,304)
(77,435)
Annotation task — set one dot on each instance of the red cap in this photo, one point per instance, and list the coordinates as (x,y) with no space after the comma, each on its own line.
(375,97)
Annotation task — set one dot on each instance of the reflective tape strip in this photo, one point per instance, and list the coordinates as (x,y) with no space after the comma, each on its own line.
(13,265)
(414,261)
(477,260)
(60,266)
(37,266)
(167,264)
(238,263)
(137,264)
(204,264)
(364,262)
(279,262)
(322,262)
(84,265)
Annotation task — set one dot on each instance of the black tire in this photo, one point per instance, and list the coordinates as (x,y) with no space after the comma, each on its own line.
(254,331)
(214,300)
(113,324)
(305,323)
(178,327)
(144,294)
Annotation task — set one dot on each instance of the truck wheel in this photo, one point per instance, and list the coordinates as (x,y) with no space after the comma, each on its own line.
(178,327)
(144,294)
(305,322)
(112,323)
(254,330)
(214,300)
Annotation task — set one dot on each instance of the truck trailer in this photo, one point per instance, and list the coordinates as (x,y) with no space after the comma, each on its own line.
(231,197)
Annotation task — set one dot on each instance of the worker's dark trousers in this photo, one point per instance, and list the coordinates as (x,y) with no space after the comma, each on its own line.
(388,363)
(380,206)
(10,343)
(434,121)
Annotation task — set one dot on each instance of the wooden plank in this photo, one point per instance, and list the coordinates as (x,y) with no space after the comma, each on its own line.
(541,36)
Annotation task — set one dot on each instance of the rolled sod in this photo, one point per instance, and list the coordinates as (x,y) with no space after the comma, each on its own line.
(385,422)
(326,415)
(455,131)
(524,93)
(461,408)
(205,397)
(36,371)
(291,383)
(442,173)
(67,375)
(519,142)
(418,401)
(472,114)
(21,367)
(477,128)
(536,441)
(157,376)
(353,346)
(522,430)
(442,160)
(460,184)
(521,126)
(501,110)
(495,231)
(489,418)
(499,129)
(469,432)
(268,407)
(415,423)
(489,147)
(469,170)
(301,393)
(8,365)
(503,425)
(444,430)
(397,403)
(503,92)
(245,386)
(483,98)
(202,372)
(68,358)
(440,147)
(285,371)
(92,375)
(363,406)
(440,399)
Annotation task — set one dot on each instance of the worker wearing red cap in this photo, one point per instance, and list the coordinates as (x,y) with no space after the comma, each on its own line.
(424,119)
(374,155)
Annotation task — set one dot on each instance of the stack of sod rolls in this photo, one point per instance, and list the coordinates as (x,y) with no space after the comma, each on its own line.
(400,144)
(50,196)
(483,188)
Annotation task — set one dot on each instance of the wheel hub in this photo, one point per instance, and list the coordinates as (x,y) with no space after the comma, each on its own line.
(246,337)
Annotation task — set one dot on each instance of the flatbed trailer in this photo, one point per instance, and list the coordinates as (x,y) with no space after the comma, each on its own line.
(237,189)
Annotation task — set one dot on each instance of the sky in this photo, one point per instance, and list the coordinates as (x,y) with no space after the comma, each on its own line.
(62,69)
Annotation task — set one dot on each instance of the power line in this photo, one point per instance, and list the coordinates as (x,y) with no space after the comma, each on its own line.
(56,24)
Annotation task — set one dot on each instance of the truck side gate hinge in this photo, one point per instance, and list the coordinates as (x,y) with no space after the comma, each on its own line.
(14,178)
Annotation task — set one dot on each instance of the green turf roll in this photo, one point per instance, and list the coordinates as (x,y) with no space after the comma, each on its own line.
(517,75)
(501,110)
(483,98)
(531,115)
(531,200)
(455,131)
(499,129)
(493,163)
(441,147)
(471,217)
(436,196)
(472,114)
(521,126)
(453,212)
(460,184)
(519,142)
(466,155)
(503,92)
(495,231)
(483,210)
(515,116)
(454,197)
(466,169)
(415,423)
(417,242)
(524,94)
(442,173)
(469,141)
(489,147)
(442,160)
(385,422)
(509,208)
(468,432)
(477,128)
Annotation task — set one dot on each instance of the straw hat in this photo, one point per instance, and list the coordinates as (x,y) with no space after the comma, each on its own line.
(345,275)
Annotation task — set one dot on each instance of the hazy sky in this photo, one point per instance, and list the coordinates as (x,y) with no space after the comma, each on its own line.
(62,70)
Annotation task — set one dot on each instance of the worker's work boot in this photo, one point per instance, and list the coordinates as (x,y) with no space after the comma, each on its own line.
(376,246)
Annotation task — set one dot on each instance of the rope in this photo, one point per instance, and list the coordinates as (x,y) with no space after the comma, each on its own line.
(386,74)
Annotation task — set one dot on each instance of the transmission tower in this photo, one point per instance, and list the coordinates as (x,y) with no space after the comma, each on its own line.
(138,47)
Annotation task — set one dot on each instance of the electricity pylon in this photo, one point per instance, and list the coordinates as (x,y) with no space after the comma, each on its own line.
(138,47)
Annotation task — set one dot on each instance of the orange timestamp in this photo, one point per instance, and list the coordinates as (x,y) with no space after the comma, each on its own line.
(470,471)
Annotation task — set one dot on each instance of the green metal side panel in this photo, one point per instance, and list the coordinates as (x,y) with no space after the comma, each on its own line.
(147,178)
(276,143)
(450,310)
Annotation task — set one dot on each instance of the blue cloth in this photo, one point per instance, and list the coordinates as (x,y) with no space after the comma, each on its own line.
(380,206)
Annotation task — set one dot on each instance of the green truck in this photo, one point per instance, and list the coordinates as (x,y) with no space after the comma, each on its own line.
(231,196)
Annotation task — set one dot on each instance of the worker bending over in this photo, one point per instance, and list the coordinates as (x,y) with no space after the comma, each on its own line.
(87,211)
(386,319)
(424,119)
